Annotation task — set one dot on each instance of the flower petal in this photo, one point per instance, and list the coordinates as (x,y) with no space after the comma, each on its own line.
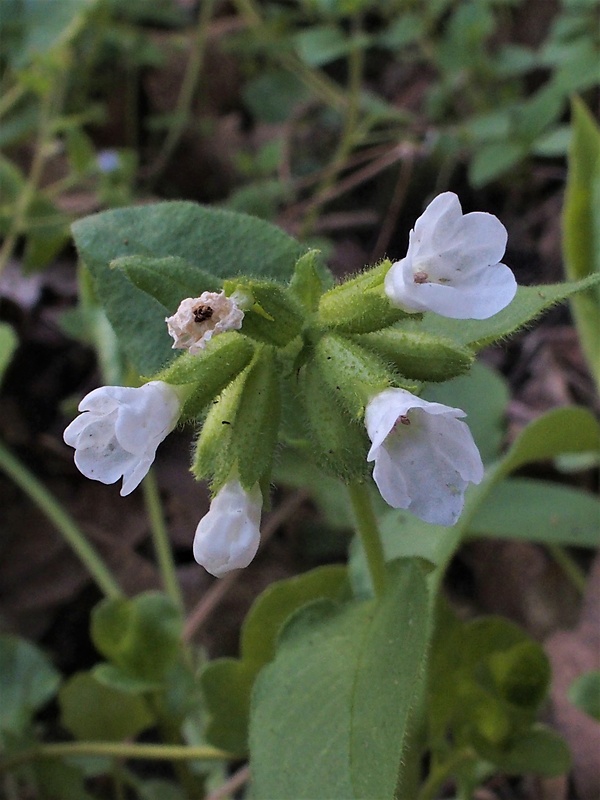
(227,537)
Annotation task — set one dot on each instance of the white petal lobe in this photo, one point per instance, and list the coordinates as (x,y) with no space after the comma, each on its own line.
(120,429)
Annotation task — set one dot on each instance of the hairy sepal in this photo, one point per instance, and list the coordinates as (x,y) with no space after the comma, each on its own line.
(339,443)
(359,305)
(417,354)
(350,373)
(275,317)
(224,358)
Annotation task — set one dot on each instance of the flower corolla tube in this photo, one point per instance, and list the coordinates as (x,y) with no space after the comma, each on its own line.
(453,265)
(119,430)
(424,455)
(227,537)
(198,319)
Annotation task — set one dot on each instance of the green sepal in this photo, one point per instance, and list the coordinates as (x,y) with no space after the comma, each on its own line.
(214,458)
(418,354)
(256,424)
(360,305)
(306,283)
(350,373)
(275,317)
(239,433)
(225,356)
(339,443)
(168,280)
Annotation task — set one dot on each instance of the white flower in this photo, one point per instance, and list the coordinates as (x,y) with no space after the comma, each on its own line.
(227,537)
(198,319)
(424,455)
(120,429)
(453,264)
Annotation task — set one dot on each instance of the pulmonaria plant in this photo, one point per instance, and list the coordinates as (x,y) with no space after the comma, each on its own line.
(227,537)
(424,455)
(119,430)
(198,319)
(353,356)
(453,264)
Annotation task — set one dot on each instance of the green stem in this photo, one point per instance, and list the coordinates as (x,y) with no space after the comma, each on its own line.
(568,566)
(187,91)
(160,538)
(348,136)
(324,88)
(65,524)
(368,530)
(122,750)
(29,189)
(439,776)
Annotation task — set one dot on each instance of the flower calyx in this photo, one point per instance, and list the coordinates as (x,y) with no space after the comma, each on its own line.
(273,316)
(359,305)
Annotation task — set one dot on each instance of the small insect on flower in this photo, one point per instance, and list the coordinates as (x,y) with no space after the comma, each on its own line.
(198,319)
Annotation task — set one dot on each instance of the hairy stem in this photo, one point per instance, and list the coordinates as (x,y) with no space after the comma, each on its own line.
(368,530)
(160,538)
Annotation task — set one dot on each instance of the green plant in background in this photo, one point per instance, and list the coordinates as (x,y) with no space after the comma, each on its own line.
(349,677)
(343,670)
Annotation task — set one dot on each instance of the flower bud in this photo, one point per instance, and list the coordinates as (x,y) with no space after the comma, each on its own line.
(227,537)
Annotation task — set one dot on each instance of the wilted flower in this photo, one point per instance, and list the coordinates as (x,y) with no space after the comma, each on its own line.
(424,455)
(227,537)
(198,319)
(119,430)
(453,264)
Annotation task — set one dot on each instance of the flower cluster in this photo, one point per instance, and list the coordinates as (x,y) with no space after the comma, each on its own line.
(355,363)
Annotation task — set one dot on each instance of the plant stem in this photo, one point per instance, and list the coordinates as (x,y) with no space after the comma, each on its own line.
(368,530)
(65,524)
(568,566)
(160,538)
(439,776)
(317,81)
(29,189)
(348,136)
(187,91)
(122,750)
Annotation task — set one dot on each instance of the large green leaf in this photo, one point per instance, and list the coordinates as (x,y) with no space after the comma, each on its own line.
(227,682)
(330,714)
(90,710)
(28,682)
(211,241)
(529,303)
(539,511)
(581,228)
